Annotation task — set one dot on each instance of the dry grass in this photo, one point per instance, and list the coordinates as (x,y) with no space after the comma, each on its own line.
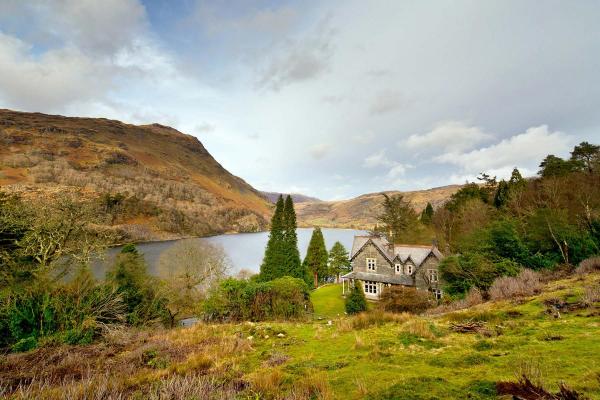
(313,386)
(123,364)
(418,327)
(267,383)
(377,318)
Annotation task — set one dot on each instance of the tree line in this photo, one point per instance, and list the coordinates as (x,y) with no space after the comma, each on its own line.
(496,228)
(282,257)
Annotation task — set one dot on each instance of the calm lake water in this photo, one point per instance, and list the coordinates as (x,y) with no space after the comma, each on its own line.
(245,250)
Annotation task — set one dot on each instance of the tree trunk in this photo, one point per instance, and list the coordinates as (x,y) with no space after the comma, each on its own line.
(316,280)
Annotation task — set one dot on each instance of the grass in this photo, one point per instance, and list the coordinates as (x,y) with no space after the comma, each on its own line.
(328,301)
(374,356)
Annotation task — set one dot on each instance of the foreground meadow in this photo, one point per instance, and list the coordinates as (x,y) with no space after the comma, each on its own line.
(374,355)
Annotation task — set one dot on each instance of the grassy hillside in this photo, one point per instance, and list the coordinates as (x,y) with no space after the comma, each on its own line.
(374,356)
(171,185)
(361,212)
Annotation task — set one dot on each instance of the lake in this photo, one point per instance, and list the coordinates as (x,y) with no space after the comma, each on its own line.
(244,250)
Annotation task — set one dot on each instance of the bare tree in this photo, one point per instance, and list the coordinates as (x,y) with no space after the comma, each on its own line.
(188,269)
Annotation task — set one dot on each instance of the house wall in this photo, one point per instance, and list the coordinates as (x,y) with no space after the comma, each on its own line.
(430,263)
(359,264)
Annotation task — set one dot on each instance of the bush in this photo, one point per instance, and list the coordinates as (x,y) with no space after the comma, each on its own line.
(404,299)
(527,283)
(356,301)
(237,300)
(588,265)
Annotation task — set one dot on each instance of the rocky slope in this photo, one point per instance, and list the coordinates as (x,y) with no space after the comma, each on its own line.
(154,181)
(361,212)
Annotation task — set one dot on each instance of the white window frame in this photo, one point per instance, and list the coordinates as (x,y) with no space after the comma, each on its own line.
(370,287)
(398,268)
(409,269)
(437,293)
(433,275)
(371,264)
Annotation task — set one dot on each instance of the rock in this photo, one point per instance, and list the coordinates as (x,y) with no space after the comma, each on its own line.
(280,335)
(250,338)
(330,322)
(266,336)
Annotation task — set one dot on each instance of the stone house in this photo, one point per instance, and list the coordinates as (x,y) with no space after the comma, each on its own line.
(379,264)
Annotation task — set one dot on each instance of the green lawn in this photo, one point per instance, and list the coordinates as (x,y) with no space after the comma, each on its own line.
(328,301)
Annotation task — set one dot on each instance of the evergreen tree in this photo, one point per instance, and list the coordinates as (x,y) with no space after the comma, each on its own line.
(292,264)
(586,156)
(356,301)
(398,220)
(427,214)
(502,194)
(339,261)
(556,166)
(273,261)
(316,256)
(516,179)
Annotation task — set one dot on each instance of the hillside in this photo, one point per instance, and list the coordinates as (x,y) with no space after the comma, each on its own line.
(152,181)
(296,197)
(375,356)
(361,212)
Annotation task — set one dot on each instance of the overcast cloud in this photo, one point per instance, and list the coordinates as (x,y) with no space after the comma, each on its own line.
(334,99)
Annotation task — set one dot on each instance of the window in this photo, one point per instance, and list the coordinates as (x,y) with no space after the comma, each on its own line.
(370,287)
(437,293)
(409,270)
(433,275)
(371,264)
(398,268)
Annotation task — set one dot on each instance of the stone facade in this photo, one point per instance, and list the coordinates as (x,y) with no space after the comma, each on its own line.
(379,264)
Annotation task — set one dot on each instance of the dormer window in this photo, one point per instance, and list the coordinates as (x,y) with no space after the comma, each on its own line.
(409,269)
(398,268)
(371,264)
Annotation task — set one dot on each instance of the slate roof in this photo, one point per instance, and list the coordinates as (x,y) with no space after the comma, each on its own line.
(379,241)
(366,276)
(417,254)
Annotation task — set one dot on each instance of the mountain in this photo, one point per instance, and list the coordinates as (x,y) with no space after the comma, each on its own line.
(296,197)
(361,212)
(153,181)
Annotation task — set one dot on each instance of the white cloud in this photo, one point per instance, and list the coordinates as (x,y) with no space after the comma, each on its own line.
(453,136)
(388,101)
(40,83)
(378,159)
(320,150)
(524,150)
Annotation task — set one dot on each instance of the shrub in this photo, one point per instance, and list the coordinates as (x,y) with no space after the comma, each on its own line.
(588,265)
(527,283)
(236,300)
(404,299)
(356,301)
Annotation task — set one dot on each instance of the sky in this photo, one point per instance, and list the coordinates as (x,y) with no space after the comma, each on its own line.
(327,98)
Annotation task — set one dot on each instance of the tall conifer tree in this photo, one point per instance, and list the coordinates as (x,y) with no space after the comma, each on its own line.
(339,261)
(274,258)
(316,256)
(292,265)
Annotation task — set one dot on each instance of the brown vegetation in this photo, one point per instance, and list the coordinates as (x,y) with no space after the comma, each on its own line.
(361,212)
(158,179)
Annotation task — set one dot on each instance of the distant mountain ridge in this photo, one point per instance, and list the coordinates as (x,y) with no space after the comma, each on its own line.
(170,183)
(361,212)
(296,197)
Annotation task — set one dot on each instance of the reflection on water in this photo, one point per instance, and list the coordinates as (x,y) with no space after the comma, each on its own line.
(245,250)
